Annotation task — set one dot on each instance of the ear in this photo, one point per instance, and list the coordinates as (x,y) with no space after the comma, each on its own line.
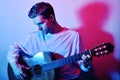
(52,17)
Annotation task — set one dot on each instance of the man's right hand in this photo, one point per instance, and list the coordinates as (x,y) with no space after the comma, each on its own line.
(25,69)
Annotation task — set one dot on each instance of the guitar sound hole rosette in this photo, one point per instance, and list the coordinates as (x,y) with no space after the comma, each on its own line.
(37,69)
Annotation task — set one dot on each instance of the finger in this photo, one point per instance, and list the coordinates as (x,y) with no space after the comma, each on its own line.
(27,72)
(86,59)
(89,57)
(83,57)
(23,66)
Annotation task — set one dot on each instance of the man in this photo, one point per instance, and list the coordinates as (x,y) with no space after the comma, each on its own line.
(50,37)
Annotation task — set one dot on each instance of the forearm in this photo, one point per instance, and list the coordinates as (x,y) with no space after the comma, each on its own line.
(13,52)
(12,57)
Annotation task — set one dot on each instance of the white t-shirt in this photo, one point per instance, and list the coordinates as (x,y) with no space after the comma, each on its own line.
(64,43)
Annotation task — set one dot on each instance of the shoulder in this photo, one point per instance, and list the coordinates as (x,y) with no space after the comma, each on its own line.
(71,31)
(71,34)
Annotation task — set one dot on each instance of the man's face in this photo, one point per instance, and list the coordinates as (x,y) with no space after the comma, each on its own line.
(43,23)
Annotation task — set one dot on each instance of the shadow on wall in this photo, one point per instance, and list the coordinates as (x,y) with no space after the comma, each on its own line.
(93,17)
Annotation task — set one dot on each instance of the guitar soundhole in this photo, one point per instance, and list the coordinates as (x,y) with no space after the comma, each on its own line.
(37,69)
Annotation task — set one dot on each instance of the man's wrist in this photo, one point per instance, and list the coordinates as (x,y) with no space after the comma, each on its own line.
(85,69)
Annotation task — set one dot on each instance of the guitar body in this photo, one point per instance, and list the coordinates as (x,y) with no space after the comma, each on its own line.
(41,59)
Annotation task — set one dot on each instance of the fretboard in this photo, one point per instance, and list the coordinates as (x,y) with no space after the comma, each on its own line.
(61,62)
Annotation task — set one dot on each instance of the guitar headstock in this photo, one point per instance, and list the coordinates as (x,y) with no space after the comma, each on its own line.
(103,49)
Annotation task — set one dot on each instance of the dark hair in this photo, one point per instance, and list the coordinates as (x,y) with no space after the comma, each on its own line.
(42,8)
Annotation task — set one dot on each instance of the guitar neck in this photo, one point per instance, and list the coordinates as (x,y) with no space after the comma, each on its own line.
(61,62)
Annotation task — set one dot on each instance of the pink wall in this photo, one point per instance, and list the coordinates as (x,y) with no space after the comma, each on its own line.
(94,17)
(97,21)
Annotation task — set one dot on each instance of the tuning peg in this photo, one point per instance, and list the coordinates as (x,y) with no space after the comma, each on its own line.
(95,49)
(106,51)
(104,46)
(97,54)
(101,52)
(100,48)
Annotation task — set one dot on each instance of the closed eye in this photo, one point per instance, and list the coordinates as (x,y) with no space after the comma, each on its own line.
(40,23)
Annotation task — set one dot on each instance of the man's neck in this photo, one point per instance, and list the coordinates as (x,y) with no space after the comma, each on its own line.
(56,28)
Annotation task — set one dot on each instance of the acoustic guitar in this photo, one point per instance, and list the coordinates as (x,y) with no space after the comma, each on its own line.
(42,67)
